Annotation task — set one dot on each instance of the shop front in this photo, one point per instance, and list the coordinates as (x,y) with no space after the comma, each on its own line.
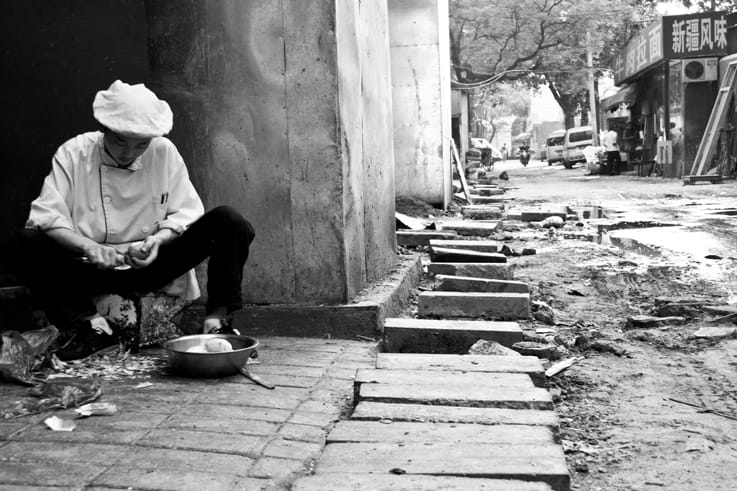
(668,79)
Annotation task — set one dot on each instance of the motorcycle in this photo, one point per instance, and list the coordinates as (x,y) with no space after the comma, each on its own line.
(524,156)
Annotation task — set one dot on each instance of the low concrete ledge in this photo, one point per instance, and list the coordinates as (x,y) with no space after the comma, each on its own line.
(363,316)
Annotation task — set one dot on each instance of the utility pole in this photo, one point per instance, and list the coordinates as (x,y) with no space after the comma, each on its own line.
(593,119)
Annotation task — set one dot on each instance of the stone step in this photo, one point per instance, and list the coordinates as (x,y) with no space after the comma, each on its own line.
(476,270)
(452,255)
(480,229)
(489,191)
(434,377)
(378,411)
(422,237)
(471,245)
(544,463)
(530,365)
(538,215)
(478,199)
(408,482)
(404,335)
(497,305)
(482,212)
(469,284)
(431,432)
(458,395)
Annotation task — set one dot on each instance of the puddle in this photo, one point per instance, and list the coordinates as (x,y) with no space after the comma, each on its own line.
(662,240)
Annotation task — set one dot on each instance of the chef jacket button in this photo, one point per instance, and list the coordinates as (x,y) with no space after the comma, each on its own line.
(145,230)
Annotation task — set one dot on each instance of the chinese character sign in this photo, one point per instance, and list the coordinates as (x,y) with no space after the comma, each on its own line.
(643,51)
(703,34)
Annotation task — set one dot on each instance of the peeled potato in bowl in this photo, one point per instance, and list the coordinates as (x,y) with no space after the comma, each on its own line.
(218,346)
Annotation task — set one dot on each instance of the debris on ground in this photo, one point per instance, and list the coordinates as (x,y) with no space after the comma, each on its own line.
(54,394)
(530,348)
(23,353)
(711,332)
(556,368)
(649,321)
(484,347)
(55,423)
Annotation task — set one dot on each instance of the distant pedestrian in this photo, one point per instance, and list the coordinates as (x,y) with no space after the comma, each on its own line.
(504,152)
(613,159)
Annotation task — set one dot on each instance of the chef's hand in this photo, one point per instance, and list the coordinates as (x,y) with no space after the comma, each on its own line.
(102,256)
(142,254)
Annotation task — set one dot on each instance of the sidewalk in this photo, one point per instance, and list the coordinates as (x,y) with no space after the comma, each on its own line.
(194,434)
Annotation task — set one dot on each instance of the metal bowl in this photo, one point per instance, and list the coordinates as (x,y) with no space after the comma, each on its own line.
(208,365)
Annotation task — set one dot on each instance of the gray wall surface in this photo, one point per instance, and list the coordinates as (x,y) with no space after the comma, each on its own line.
(270,111)
(420,54)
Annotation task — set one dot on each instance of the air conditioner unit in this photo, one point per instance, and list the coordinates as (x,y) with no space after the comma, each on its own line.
(700,69)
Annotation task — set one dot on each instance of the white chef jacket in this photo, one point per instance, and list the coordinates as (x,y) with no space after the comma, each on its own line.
(88,193)
(609,141)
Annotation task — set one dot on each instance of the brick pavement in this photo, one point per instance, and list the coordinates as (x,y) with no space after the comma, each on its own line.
(194,434)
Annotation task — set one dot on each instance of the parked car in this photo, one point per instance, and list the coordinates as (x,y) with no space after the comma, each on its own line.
(575,141)
(555,147)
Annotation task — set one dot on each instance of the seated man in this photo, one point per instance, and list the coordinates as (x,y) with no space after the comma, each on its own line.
(118,214)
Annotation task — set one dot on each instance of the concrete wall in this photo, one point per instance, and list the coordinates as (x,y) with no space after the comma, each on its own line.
(271,111)
(420,54)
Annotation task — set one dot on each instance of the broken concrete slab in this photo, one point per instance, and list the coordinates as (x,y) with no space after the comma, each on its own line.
(470,284)
(458,395)
(402,335)
(538,215)
(414,238)
(431,432)
(480,229)
(378,411)
(478,199)
(489,190)
(495,305)
(364,316)
(471,245)
(545,463)
(482,212)
(476,270)
(649,321)
(408,482)
(714,332)
(453,255)
(434,377)
(530,365)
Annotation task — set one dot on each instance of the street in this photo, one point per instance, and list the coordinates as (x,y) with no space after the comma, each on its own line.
(653,405)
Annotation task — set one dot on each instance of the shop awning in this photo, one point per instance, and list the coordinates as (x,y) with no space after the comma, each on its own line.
(626,94)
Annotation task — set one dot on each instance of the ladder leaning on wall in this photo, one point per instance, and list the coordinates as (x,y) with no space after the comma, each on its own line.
(717,121)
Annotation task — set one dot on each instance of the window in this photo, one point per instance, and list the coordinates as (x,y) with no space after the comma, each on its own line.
(579,136)
(554,141)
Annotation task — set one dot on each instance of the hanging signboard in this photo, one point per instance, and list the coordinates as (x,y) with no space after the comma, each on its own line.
(703,34)
(672,37)
(643,51)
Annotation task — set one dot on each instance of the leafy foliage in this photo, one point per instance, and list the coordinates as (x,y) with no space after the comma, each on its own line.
(536,42)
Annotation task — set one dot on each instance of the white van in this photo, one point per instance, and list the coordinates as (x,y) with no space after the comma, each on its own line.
(575,141)
(555,146)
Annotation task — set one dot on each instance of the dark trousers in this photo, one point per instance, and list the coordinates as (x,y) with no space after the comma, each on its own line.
(64,286)
(614,162)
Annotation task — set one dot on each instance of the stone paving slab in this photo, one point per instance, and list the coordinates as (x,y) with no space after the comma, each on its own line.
(478,199)
(483,212)
(489,191)
(413,432)
(496,305)
(476,270)
(481,229)
(455,255)
(433,377)
(530,365)
(415,238)
(473,245)
(387,482)
(544,463)
(458,396)
(479,285)
(405,335)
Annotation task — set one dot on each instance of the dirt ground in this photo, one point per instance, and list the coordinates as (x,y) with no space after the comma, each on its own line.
(647,408)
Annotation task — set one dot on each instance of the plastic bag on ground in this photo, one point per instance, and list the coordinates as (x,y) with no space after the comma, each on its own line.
(21,353)
(55,394)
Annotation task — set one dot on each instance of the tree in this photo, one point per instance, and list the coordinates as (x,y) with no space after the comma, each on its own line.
(494,106)
(539,42)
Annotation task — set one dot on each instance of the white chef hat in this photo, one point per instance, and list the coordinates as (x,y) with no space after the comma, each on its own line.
(132,110)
